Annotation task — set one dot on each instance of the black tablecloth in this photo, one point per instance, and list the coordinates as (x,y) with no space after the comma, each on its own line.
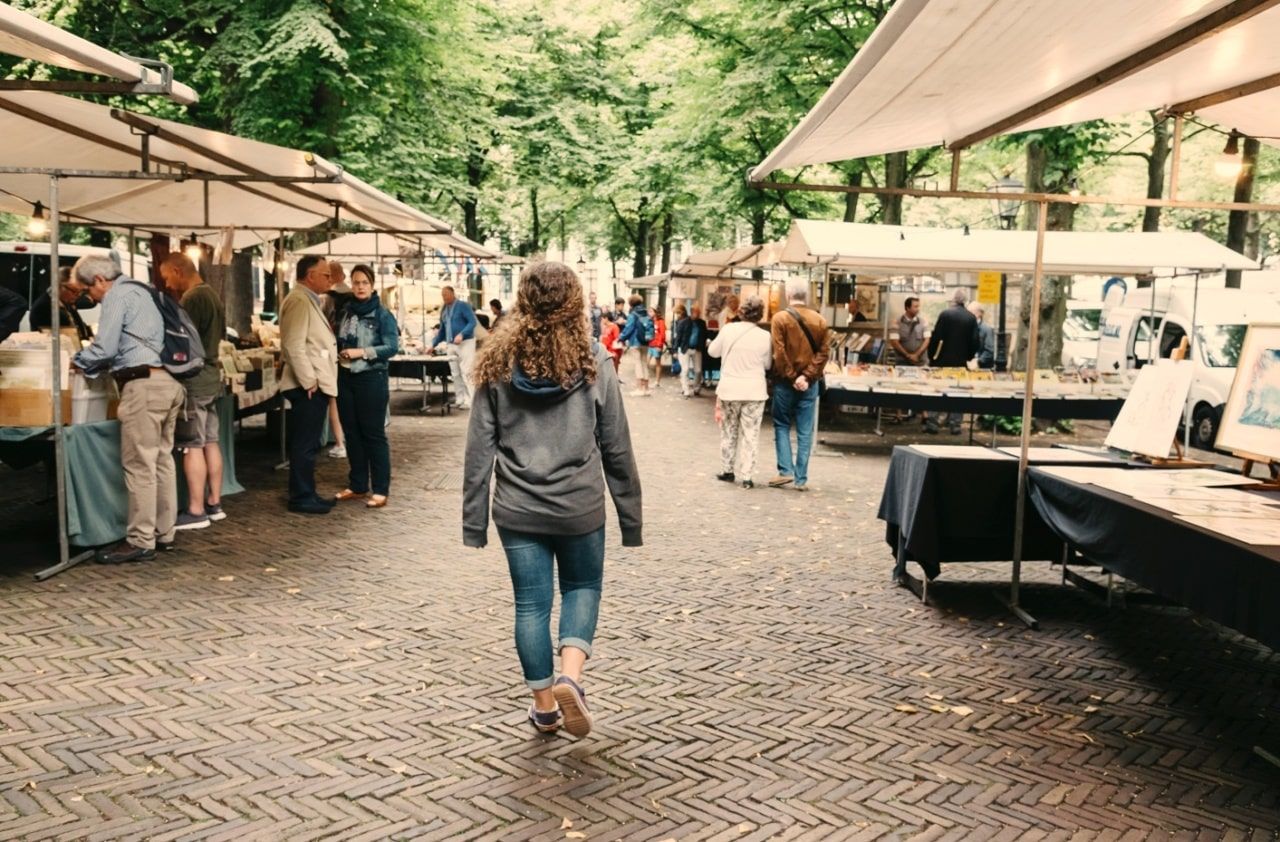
(417,368)
(1087,408)
(1234,583)
(957,510)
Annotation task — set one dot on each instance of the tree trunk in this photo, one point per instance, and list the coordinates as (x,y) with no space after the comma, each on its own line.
(1238,221)
(1155,171)
(471,205)
(757,226)
(655,234)
(537,222)
(1053,288)
(854,179)
(640,264)
(895,175)
(668,232)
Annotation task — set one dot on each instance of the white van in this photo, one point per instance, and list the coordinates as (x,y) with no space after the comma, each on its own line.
(1080,334)
(1136,333)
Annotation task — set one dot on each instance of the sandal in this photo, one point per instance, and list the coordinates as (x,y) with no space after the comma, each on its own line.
(377,501)
(546,721)
(347,494)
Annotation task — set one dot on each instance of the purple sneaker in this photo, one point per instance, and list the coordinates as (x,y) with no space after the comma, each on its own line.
(573,702)
(546,721)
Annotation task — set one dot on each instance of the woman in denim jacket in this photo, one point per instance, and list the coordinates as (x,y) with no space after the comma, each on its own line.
(367,338)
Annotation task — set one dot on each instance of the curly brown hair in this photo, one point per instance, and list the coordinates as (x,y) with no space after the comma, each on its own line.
(546,332)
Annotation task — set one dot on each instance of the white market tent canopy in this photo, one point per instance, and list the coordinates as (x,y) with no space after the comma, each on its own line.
(46,132)
(896,249)
(723,263)
(29,37)
(366,245)
(954,72)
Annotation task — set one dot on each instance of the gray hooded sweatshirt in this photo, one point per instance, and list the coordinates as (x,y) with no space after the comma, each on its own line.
(553,450)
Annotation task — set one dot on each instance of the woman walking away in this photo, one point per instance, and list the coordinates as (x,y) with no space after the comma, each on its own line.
(746,353)
(636,335)
(691,339)
(548,420)
(657,345)
(367,338)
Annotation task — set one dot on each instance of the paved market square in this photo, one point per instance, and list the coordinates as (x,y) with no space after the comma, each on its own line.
(757,677)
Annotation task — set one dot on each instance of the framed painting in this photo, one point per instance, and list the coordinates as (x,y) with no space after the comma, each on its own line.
(1250,425)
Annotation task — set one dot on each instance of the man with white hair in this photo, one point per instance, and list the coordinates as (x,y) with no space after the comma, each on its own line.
(954,342)
(128,343)
(801,346)
(986,338)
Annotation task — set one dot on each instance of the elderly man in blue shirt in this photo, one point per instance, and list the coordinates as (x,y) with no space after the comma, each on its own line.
(128,343)
(457,332)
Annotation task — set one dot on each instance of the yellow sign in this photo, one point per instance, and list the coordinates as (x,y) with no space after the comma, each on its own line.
(989,287)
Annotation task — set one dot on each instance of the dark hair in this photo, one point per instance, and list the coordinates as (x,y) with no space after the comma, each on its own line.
(619,300)
(306,263)
(451,289)
(634,300)
(681,311)
(496,303)
(366,269)
(911,299)
(752,309)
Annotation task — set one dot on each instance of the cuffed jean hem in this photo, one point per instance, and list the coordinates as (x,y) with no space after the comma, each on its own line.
(541,683)
(576,643)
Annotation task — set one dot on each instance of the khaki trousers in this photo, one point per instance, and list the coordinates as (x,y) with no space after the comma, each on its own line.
(148,414)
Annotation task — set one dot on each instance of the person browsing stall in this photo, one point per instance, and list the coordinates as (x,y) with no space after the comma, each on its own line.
(12,308)
(801,346)
(367,338)
(197,432)
(70,291)
(309,379)
(953,343)
(128,344)
(457,331)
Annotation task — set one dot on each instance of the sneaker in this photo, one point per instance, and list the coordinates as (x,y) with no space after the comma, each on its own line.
(310,508)
(573,703)
(214,511)
(337,452)
(725,477)
(186,520)
(781,480)
(122,552)
(802,487)
(746,483)
(546,721)
(165,546)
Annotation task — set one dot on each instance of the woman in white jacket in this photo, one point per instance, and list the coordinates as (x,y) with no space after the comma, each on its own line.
(746,353)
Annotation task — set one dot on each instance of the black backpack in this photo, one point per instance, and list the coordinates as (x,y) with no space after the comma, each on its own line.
(183,353)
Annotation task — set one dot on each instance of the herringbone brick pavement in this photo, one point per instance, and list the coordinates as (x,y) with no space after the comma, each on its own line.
(757,677)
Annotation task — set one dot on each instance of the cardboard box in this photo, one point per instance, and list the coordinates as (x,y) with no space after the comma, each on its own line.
(31,407)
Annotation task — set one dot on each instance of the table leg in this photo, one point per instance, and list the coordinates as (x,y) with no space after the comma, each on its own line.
(1018,611)
(879,415)
(426,392)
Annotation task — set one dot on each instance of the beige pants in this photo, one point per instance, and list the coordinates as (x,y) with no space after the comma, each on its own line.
(461,362)
(148,413)
(639,362)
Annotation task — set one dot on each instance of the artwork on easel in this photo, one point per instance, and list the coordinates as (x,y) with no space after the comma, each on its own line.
(1250,425)
(1148,421)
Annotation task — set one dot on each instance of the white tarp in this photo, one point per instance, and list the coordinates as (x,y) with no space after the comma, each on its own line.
(29,37)
(895,249)
(366,245)
(724,262)
(43,130)
(936,71)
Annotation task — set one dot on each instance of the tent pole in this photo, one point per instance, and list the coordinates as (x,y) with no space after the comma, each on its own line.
(280,268)
(1191,348)
(65,560)
(1175,167)
(1042,219)
(132,247)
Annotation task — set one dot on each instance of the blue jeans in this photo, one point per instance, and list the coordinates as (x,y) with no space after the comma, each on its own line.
(531,560)
(798,409)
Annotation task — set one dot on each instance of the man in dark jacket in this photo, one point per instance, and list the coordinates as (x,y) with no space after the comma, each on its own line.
(12,308)
(954,342)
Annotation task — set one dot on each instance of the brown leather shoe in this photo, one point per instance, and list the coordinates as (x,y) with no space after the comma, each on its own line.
(348,494)
(376,501)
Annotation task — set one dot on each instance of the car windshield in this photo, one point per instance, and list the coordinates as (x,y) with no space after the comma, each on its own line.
(1220,344)
(1083,322)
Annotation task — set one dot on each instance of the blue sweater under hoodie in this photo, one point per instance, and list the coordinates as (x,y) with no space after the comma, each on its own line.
(553,450)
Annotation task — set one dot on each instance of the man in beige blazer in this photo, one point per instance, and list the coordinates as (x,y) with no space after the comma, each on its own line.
(309,380)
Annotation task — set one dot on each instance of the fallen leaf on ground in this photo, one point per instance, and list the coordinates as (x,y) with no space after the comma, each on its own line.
(575,834)
(937,697)
(962,710)
(294,590)
(226,578)
(939,708)
(1090,708)
(924,674)
(566,824)
(1012,700)
(1087,737)
(906,708)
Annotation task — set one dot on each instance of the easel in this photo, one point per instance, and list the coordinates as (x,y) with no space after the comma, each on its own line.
(1179,460)
(1272,482)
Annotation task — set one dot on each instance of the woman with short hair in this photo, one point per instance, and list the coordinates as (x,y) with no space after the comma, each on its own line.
(367,338)
(548,422)
(746,353)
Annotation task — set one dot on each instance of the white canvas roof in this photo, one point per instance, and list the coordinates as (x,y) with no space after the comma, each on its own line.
(44,130)
(723,262)
(894,249)
(365,245)
(947,71)
(29,37)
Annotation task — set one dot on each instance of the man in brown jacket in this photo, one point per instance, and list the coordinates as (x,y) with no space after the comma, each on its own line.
(309,379)
(800,349)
